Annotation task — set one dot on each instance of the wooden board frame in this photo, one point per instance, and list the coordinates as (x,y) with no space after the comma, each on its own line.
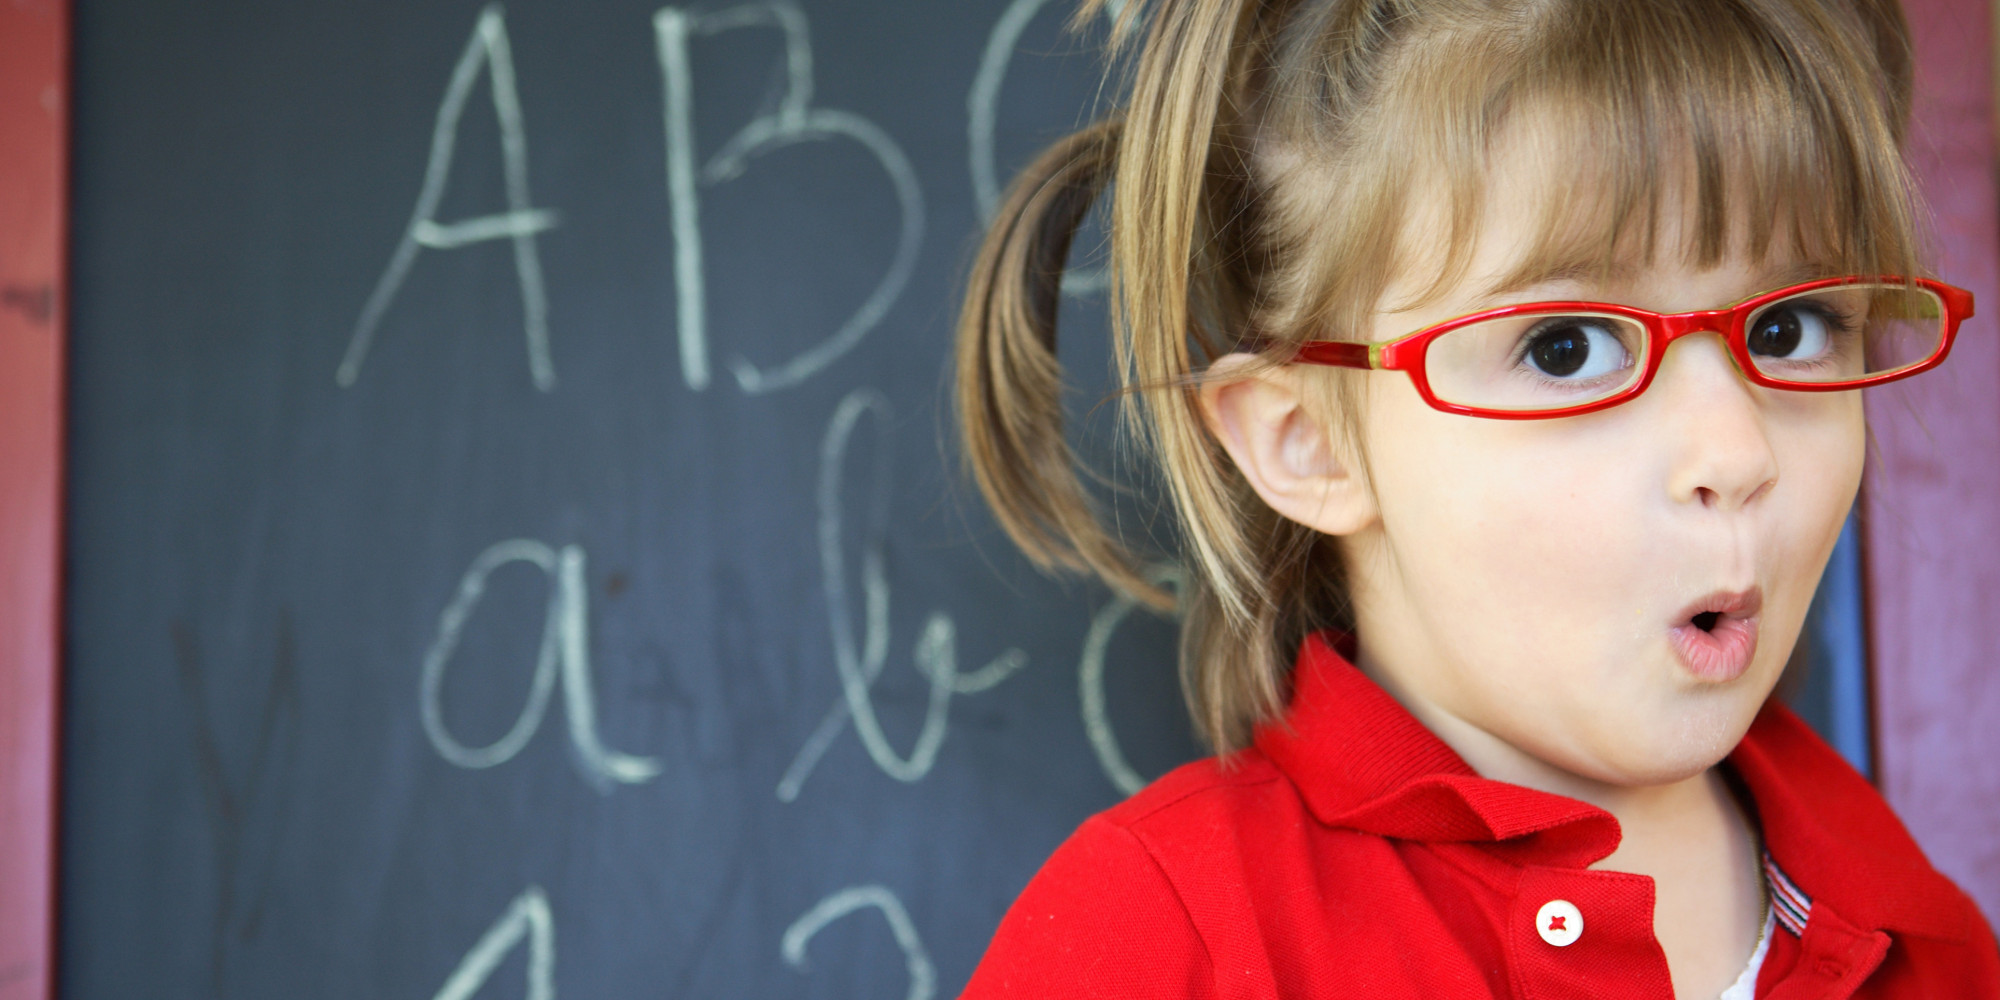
(1932,499)
(34,134)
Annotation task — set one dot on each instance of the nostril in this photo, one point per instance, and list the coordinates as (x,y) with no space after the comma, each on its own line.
(1708,497)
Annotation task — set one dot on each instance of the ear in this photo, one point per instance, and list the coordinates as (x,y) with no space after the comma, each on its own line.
(1301,467)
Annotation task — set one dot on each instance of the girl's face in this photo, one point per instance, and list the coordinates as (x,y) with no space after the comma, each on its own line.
(1612,594)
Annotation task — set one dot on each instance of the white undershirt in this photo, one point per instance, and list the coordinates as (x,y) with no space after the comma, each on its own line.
(1745,986)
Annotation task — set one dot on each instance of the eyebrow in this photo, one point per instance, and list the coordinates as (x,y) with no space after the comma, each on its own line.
(1793,273)
(1573,270)
(1582,271)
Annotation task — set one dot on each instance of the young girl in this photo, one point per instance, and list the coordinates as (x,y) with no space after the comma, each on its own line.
(1500,357)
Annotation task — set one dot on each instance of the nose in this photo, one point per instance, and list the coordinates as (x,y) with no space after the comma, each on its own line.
(1721,451)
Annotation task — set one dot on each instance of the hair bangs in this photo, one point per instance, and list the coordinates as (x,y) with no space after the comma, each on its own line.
(1701,129)
(1707,135)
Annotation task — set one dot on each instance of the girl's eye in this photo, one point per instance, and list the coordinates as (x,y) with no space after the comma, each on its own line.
(1575,349)
(1790,332)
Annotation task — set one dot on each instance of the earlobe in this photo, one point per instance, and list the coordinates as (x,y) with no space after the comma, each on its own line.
(1304,469)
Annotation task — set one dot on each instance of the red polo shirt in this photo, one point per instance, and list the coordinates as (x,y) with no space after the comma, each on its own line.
(1351,853)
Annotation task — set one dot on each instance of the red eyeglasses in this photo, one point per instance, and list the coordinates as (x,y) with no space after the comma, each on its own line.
(1558,359)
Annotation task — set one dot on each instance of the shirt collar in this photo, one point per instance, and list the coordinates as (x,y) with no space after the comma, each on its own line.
(1836,837)
(1361,761)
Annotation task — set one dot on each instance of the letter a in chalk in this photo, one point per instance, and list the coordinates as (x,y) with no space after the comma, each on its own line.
(565,650)
(520,223)
(527,919)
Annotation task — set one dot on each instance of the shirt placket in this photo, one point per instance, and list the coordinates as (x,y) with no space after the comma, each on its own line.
(1835,958)
(1576,932)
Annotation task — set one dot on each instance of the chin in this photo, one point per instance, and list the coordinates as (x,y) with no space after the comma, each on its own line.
(1670,740)
(1660,770)
(1685,729)
(1664,752)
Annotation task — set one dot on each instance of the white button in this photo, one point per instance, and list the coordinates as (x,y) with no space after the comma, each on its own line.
(1559,923)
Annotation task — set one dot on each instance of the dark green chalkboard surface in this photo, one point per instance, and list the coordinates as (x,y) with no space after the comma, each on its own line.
(514,549)
(514,543)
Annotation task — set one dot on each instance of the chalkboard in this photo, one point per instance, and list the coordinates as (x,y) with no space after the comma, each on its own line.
(514,545)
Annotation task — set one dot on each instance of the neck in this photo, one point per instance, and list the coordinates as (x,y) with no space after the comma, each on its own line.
(1651,816)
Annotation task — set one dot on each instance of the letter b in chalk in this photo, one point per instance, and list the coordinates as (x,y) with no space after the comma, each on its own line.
(795,120)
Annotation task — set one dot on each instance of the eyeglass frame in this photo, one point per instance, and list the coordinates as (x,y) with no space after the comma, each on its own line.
(1407,353)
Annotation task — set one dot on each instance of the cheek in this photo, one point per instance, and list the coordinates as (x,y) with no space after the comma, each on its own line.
(1511,525)
(1821,446)
(1524,553)
(1819,437)
(1821,452)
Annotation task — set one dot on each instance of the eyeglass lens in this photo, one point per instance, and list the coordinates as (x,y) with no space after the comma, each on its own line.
(1559,360)
(1846,332)
(1537,362)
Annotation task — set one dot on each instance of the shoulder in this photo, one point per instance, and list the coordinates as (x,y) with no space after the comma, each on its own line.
(1202,791)
(1107,915)
(1100,919)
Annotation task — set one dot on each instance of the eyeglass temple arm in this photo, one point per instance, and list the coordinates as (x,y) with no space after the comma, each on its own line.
(1340,354)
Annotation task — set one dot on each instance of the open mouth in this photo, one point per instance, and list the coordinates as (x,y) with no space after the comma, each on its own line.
(1716,636)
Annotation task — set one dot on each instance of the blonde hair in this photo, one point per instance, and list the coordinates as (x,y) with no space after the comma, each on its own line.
(1262,172)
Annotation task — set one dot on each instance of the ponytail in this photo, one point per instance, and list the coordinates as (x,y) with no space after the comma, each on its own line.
(1178,223)
(1009,383)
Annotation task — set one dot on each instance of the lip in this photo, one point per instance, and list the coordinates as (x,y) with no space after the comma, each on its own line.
(1722,653)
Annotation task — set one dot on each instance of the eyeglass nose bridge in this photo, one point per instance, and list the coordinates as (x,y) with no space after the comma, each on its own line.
(1674,326)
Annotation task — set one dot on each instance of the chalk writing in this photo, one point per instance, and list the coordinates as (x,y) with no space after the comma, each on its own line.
(1090,683)
(526,919)
(936,652)
(565,643)
(488,49)
(982,105)
(923,977)
(793,121)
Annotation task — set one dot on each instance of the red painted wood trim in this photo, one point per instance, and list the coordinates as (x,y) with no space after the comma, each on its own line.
(34,133)
(1932,507)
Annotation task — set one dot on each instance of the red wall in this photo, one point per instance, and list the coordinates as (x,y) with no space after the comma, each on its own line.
(1933,499)
(34,115)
